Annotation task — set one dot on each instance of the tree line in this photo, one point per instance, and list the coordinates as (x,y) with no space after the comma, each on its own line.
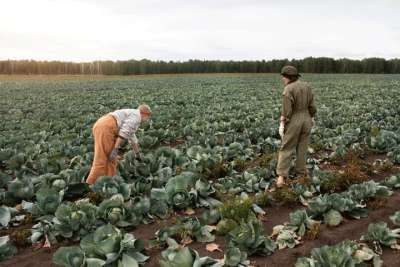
(144,66)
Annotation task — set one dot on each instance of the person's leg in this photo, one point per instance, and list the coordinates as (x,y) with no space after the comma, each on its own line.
(104,140)
(287,150)
(99,165)
(302,147)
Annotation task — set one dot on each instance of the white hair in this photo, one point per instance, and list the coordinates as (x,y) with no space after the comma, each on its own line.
(145,108)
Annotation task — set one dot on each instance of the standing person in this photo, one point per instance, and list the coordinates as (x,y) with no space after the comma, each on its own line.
(109,132)
(296,121)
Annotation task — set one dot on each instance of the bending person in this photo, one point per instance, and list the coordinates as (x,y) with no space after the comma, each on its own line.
(109,132)
(297,119)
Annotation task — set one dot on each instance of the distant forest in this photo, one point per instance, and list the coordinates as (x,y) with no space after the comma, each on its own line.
(132,67)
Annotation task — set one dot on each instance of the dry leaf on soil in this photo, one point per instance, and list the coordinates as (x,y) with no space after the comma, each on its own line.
(213,247)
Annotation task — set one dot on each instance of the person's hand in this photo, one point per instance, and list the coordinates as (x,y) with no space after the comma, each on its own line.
(282,129)
(113,155)
(312,122)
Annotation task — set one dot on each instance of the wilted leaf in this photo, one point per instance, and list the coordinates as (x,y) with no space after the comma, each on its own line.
(213,247)
(189,211)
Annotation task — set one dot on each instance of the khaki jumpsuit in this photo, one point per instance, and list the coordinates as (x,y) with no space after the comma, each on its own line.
(298,108)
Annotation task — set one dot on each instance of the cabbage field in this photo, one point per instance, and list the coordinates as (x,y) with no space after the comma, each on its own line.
(201,196)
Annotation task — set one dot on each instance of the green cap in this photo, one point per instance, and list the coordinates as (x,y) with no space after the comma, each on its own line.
(290,70)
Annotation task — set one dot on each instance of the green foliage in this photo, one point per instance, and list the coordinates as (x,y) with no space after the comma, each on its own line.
(107,186)
(235,257)
(345,254)
(43,230)
(248,236)
(392,181)
(47,201)
(4,179)
(69,257)
(211,216)
(382,140)
(5,216)
(106,246)
(159,202)
(176,255)
(301,222)
(380,233)
(285,196)
(75,219)
(21,188)
(210,133)
(367,190)
(7,250)
(394,154)
(224,226)
(186,228)
(395,218)
(123,214)
(332,218)
(237,209)
(263,199)
(178,190)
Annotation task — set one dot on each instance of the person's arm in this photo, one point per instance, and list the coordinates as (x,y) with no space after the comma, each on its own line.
(114,153)
(135,148)
(135,145)
(312,110)
(118,142)
(311,105)
(287,106)
(287,102)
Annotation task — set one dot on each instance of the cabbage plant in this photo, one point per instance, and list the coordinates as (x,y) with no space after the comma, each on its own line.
(176,255)
(74,220)
(7,250)
(159,202)
(21,188)
(114,211)
(47,201)
(107,186)
(234,257)
(71,257)
(394,154)
(248,236)
(380,233)
(345,254)
(367,190)
(286,237)
(187,228)
(5,216)
(395,218)
(178,190)
(301,222)
(382,140)
(107,246)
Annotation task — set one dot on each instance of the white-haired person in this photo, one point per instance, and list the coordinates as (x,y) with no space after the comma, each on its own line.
(109,132)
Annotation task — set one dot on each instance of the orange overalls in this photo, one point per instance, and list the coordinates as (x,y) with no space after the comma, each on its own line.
(105,133)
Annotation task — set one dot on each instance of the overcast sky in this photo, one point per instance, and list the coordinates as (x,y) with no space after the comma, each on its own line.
(88,30)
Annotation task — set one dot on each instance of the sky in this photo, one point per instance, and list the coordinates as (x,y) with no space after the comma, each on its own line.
(88,30)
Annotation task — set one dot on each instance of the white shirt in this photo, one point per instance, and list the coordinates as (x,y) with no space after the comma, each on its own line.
(128,121)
